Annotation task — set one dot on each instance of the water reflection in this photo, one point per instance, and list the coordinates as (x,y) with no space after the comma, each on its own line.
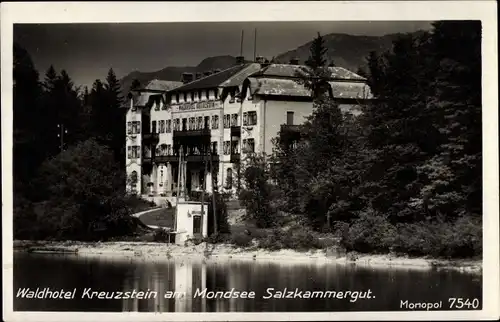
(389,286)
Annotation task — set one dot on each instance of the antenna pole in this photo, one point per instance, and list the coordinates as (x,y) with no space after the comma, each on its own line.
(255,45)
(241,45)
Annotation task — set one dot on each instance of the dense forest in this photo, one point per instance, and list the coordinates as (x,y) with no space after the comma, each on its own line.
(404,176)
(68,154)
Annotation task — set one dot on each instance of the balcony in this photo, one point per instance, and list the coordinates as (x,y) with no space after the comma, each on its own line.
(151,137)
(166,158)
(192,133)
(236,131)
(235,158)
(291,128)
(201,158)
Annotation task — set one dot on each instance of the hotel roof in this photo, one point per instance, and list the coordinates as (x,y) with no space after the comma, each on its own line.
(233,76)
(268,86)
(291,71)
(162,85)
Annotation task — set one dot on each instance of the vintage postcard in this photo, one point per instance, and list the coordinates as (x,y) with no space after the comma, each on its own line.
(250,161)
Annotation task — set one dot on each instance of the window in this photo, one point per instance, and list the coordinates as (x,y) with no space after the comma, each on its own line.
(157,106)
(214,147)
(162,126)
(163,149)
(229,178)
(177,124)
(133,181)
(133,177)
(191,123)
(227,147)
(251,118)
(129,127)
(169,149)
(153,127)
(168,127)
(215,122)
(249,146)
(134,151)
(289,118)
(234,147)
(136,127)
(234,119)
(184,124)
(199,123)
(227,121)
(206,124)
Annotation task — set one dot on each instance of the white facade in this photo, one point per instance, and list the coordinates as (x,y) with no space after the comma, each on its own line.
(233,123)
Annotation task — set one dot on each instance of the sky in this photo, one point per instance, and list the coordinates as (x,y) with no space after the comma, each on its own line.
(87,51)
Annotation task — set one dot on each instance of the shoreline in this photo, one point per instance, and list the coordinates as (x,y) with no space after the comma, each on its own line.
(152,252)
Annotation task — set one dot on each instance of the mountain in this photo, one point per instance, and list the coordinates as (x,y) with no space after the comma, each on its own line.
(345,50)
(174,73)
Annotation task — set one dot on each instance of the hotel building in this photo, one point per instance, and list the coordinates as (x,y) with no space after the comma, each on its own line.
(215,119)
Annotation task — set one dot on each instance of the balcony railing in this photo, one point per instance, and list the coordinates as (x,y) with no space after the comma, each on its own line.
(188,158)
(187,133)
(291,128)
(235,158)
(150,137)
(235,131)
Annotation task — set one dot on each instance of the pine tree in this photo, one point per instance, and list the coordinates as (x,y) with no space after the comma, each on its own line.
(136,84)
(317,53)
(455,172)
(315,75)
(27,118)
(116,115)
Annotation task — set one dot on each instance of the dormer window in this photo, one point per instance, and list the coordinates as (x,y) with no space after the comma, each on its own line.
(195,96)
(177,98)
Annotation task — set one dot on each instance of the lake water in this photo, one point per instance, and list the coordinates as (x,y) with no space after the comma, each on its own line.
(387,287)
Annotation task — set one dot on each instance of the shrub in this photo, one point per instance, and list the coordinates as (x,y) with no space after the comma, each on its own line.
(81,196)
(218,238)
(161,235)
(460,238)
(371,232)
(298,238)
(241,240)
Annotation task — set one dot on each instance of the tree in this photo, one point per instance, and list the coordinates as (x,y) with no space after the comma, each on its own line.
(27,119)
(136,84)
(83,195)
(317,53)
(315,75)
(454,174)
(256,192)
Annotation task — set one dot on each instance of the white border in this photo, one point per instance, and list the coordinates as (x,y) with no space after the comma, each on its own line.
(74,12)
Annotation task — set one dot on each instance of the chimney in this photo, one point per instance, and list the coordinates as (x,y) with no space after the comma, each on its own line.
(294,61)
(240,60)
(187,78)
(198,75)
(259,59)
(207,73)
